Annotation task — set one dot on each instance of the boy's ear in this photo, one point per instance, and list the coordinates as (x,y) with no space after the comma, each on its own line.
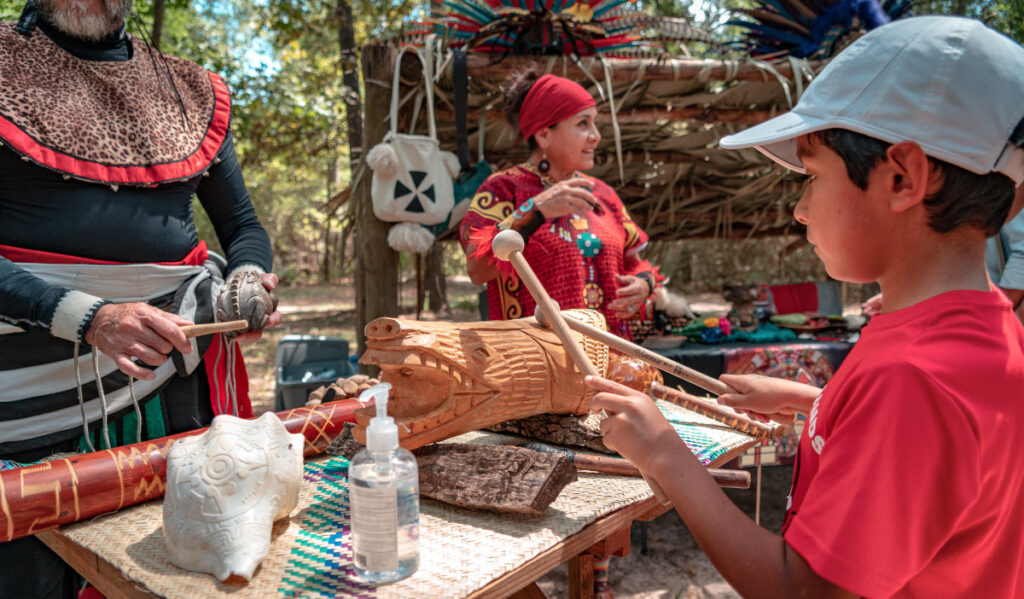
(909,177)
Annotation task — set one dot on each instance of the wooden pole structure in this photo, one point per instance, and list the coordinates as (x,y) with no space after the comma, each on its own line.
(376,272)
(631,69)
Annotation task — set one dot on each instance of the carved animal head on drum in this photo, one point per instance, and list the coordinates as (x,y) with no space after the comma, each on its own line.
(449,378)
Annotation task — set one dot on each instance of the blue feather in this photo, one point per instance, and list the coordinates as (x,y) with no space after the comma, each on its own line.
(608,6)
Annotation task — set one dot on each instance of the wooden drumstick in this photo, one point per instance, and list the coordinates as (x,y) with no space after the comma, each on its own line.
(708,408)
(508,246)
(642,353)
(197,330)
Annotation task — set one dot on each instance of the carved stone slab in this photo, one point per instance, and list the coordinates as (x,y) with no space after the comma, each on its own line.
(493,477)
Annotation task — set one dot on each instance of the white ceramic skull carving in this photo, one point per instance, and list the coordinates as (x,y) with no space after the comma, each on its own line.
(225,489)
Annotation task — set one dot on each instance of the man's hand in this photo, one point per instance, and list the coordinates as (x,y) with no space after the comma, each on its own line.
(630,297)
(269,282)
(137,330)
(248,295)
(635,427)
(768,397)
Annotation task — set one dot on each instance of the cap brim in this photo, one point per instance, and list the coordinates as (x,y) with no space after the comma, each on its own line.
(776,138)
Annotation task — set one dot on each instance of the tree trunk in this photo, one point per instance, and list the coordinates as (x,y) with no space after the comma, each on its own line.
(376,276)
(325,264)
(350,77)
(158,22)
(437,293)
(342,250)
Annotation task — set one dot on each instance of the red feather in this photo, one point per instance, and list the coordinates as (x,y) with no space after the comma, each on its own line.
(480,238)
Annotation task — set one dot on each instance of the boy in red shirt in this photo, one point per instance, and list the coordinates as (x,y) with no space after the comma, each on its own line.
(908,480)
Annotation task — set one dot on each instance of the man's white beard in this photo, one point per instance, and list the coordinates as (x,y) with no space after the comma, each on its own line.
(78,20)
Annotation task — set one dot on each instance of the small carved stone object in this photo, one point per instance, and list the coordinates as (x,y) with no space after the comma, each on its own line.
(225,489)
(499,478)
(343,388)
(243,297)
(450,378)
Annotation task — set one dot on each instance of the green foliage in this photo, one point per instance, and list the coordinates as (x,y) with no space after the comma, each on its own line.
(10,9)
(1006,16)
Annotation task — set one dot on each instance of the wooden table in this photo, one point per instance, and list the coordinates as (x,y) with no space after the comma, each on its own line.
(607,536)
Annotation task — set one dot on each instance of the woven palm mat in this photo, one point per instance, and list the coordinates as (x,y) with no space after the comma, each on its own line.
(311,553)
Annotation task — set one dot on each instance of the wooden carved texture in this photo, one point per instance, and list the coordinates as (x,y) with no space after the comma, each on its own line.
(498,478)
(584,430)
(450,378)
(51,494)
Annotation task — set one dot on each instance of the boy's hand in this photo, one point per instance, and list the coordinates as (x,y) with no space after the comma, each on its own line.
(634,427)
(768,397)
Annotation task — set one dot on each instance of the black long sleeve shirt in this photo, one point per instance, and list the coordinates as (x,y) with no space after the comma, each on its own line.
(41,210)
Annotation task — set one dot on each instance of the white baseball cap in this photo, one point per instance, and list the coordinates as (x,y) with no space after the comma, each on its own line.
(952,85)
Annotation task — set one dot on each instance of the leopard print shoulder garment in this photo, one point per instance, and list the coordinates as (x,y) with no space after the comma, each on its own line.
(108,122)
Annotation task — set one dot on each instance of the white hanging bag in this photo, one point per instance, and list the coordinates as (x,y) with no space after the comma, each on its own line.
(412,176)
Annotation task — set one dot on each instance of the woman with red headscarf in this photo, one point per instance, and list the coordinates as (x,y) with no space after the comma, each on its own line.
(580,240)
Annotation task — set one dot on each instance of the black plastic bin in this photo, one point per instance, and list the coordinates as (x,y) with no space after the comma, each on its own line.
(306,362)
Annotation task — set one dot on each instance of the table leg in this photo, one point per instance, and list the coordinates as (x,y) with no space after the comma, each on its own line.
(581,577)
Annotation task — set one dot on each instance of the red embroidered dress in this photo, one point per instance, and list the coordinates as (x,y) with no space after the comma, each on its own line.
(575,258)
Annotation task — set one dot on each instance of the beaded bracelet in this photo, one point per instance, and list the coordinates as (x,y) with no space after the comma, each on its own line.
(523,219)
(648,278)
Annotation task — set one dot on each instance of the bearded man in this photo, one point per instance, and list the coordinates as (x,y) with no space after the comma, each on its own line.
(105,141)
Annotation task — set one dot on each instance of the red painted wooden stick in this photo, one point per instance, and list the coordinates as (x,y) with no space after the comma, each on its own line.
(51,494)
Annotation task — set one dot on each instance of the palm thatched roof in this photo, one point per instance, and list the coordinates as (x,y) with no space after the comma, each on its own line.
(670,114)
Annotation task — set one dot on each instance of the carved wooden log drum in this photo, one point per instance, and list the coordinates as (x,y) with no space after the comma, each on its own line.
(451,378)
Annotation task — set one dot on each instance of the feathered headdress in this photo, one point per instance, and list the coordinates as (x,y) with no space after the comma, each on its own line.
(812,28)
(556,27)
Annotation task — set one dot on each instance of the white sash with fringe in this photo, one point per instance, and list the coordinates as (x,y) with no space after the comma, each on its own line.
(118,283)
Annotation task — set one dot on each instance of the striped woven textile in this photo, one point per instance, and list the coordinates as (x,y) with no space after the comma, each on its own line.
(39,402)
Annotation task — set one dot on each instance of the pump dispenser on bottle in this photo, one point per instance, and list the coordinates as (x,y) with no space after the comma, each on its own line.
(384,499)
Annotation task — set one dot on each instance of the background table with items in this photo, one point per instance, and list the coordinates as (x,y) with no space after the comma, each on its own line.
(463,553)
(807,360)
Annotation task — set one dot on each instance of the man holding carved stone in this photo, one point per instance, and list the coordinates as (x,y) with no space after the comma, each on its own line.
(105,141)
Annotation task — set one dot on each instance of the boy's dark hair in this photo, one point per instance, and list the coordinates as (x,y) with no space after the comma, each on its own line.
(965,199)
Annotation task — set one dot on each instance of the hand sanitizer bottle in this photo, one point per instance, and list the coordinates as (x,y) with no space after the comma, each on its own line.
(384,499)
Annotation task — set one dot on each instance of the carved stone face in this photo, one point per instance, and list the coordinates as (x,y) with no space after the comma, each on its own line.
(225,489)
(449,378)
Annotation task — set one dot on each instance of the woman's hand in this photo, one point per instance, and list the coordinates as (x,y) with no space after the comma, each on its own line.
(629,297)
(768,397)
(635,427)
(572,196)
(137,330)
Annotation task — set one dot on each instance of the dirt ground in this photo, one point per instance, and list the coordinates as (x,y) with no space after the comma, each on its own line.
(668,564)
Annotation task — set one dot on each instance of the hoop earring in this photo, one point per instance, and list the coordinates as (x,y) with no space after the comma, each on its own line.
(544,166)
